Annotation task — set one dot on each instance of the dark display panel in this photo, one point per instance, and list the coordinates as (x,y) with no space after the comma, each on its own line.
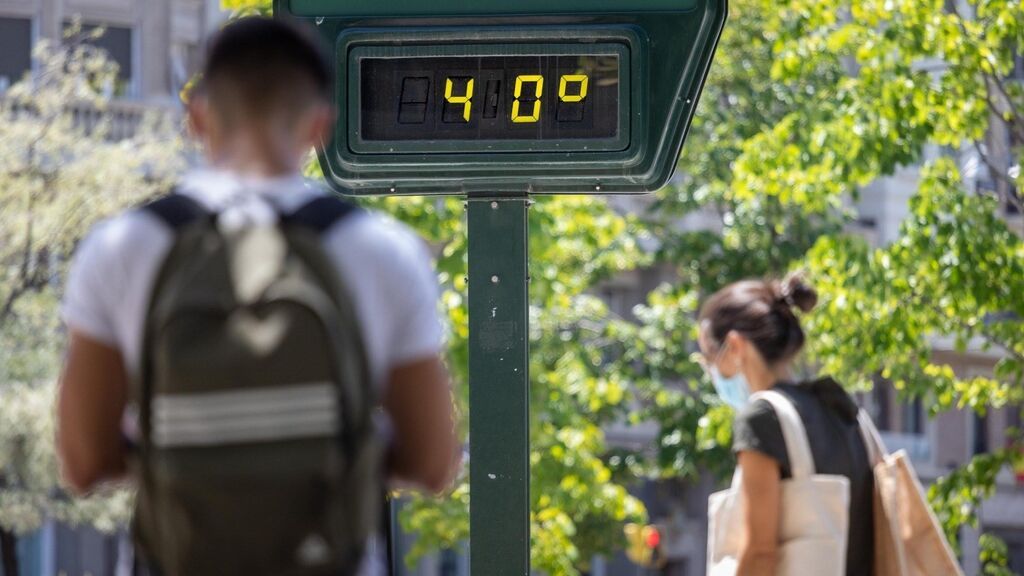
(490,98)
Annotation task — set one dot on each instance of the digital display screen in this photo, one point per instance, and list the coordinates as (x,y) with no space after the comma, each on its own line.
(490,98)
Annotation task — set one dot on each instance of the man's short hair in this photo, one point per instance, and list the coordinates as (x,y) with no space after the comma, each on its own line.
(258,66)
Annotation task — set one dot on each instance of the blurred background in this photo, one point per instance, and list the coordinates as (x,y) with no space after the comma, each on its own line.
(874,144)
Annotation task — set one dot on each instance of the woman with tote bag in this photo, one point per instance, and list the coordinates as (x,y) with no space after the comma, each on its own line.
(804,489)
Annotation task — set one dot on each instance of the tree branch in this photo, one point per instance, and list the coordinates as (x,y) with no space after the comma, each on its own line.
(998,174)
(37,280)
(1015,121)
(12,297)
(9,551)
(1008,113)
(24,280)
(993,339)
(980,329)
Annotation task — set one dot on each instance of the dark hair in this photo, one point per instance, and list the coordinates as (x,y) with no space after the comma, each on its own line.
(261,65)
(761,311)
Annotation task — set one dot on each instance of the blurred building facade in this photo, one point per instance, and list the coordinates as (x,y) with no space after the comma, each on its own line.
(156,43)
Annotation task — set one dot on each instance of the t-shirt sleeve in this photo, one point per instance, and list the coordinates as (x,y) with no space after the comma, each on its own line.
(92,289)
(757,428)
(417,330)
(409,307)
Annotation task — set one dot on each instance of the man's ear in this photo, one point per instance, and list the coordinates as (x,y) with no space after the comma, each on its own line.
(199,116)
(322,124)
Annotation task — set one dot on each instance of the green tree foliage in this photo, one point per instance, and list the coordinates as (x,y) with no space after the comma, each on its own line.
(578,508)
(921,73)
(994,557)
(61,170)
(806,104)
(736,234)
(246,7)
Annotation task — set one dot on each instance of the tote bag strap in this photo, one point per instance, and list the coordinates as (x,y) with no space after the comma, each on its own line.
(872,439)
(801,461)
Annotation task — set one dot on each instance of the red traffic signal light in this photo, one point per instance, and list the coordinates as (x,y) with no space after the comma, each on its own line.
(652,537)
(644,545)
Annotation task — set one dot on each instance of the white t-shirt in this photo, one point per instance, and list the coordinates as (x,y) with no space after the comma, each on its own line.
(385,267)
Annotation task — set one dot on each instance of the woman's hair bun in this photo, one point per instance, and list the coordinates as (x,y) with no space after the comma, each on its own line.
(797,293)
(763,312)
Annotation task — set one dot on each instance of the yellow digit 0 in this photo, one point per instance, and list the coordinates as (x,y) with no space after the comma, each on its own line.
(563,85)
(538,82)
(466,99)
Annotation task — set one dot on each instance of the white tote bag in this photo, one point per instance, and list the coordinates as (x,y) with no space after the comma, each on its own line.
(814,510)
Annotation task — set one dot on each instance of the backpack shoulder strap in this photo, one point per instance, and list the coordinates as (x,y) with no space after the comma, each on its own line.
(176,209)
(320,213)
(801,460)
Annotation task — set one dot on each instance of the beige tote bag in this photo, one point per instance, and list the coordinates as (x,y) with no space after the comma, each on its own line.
(908,538)
(814,510)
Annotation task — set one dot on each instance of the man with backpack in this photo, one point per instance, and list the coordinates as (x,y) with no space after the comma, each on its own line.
(254,354)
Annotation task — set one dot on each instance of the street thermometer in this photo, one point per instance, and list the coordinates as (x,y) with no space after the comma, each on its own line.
(496,100)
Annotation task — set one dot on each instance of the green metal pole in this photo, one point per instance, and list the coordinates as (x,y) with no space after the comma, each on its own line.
(499,388)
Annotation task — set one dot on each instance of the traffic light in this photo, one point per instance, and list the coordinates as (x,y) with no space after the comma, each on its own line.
(644,545)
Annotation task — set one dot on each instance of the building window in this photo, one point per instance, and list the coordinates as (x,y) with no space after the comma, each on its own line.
(1014,538)
(913,417)
(881,394)
(449,563)
(15,50)
(619,299)
(116,41)
(979,434)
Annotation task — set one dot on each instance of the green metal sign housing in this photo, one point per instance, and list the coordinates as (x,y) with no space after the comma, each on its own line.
(511,97)
(496,100)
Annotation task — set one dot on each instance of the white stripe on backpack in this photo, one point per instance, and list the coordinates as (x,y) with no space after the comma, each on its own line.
(239,416)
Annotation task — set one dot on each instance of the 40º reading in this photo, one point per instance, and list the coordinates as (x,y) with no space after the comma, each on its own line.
(514,98)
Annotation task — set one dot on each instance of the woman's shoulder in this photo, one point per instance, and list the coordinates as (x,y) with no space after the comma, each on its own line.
(756,419)
(761,409)
(823,392)
(832,396)
(755,410)
(756,428)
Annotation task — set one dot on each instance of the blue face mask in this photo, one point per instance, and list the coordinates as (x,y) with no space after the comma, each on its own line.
(734,390)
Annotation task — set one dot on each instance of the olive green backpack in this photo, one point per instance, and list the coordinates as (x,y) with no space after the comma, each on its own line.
(258,454)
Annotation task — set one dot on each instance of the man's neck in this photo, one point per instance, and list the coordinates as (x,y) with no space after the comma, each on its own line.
(249,158)
(256,169)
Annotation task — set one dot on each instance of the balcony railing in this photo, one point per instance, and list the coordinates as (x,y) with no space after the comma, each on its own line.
(918,447)
(119,119)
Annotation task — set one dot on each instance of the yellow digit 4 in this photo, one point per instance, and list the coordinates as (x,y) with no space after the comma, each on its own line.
(563,85)
(466,99)
(538,91)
